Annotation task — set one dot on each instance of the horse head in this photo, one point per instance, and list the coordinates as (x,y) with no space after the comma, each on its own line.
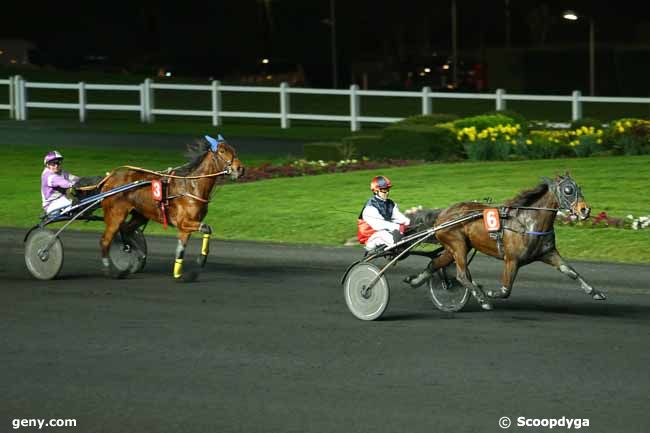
(225,157)
(568,195)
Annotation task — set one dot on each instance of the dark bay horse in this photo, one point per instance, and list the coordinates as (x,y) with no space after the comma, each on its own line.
(527,235)
(186,190)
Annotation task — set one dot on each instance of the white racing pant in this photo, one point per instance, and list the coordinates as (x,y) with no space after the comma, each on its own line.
(58,203)
(380,237)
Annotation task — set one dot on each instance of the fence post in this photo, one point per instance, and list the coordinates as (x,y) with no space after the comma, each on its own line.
(149,99)
(82,102)
(354,108)
(426,100)
(576,105)
(12,98)
(216,103)
(22,97)
(284,105)
(17,97)
(500,100)
(143,103)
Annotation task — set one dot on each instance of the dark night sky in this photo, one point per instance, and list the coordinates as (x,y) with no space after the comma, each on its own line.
(219,37)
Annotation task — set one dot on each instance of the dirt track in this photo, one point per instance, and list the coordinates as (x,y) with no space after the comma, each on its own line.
(264,343)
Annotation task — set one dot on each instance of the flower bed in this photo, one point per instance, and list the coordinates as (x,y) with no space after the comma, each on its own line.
(309,168)
(603,220)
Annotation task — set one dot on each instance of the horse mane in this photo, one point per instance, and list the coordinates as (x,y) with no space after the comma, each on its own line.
(195,153)
(529,196)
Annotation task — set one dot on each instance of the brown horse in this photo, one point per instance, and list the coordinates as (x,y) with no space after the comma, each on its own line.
(186,190)
(526,236)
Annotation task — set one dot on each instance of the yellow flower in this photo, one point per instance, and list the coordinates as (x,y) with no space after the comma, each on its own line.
(628,123)
(529,142)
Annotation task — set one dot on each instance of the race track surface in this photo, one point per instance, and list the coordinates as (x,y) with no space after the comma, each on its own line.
(263,342)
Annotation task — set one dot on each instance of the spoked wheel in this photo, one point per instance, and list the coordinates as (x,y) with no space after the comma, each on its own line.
(446,292)
(43,254)
(128,252)
(366,303)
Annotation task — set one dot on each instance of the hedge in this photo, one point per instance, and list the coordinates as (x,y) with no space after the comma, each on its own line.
(434,143)
(325,151)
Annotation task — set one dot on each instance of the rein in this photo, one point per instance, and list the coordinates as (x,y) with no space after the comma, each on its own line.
(553,209)
(157,173)
(172,176)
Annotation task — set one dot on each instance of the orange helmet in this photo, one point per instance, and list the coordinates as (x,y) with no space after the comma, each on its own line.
(380,182)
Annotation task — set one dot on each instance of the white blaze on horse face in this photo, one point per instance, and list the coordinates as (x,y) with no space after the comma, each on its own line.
(582,210)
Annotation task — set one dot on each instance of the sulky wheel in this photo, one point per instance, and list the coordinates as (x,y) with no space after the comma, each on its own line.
(128,252)
(43,254)
(446,292)
(366,303)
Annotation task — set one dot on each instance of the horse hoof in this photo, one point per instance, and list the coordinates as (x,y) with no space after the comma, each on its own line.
(486,306)
(191,276)
(187,277)
(118,275)
(112,272)
(201,260)
(416,281)
(598,296)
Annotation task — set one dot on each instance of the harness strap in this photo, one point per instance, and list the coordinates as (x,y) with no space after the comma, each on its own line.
(534,233)
(195,197)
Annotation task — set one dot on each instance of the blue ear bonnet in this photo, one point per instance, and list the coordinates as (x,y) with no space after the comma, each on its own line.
(214,144)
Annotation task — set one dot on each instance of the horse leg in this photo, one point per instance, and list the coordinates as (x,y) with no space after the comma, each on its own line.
(185,229)
(205,244)
(510,268)
(554,259)
(465,278)
(183,237)
(437,263)
(113,218)
(137,220)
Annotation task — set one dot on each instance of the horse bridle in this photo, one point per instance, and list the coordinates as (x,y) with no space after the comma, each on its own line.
(566,191)
(228,162)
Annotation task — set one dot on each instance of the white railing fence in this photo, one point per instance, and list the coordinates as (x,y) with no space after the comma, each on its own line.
(19,101)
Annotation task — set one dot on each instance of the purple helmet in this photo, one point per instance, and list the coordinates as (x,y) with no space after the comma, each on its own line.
(51,156)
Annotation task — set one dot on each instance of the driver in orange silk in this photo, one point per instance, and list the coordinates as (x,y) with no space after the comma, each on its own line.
(380,223)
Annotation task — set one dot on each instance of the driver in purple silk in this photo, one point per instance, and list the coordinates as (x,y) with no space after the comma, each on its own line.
(54,182)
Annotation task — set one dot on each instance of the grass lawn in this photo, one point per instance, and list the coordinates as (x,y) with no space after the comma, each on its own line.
(323,209)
